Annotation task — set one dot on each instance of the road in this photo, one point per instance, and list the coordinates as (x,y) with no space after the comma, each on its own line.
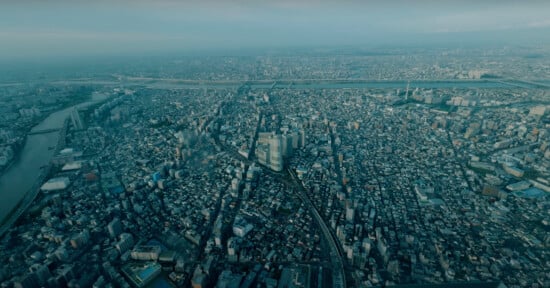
(336,253)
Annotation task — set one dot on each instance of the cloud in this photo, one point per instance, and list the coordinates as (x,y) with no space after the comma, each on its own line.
(85,35)
(36,26)
(507,16)
(539,24)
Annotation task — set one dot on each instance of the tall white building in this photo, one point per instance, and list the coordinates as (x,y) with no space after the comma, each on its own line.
(269,151)
(276,153)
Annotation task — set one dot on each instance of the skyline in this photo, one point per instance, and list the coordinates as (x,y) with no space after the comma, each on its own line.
(360,169)
(36,30)
(274,144)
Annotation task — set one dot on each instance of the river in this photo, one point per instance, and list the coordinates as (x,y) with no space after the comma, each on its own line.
(162,83)
(359,84)
(22,175)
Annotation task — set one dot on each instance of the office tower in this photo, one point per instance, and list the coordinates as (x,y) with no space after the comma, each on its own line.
(286,145)
(275,153)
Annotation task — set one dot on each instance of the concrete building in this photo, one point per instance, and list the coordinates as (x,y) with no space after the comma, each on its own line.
(269,151)
(55,184)
(276,153)
(125,243)
(114,228)
(146,253)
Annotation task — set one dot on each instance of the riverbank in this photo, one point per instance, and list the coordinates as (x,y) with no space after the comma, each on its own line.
(20,185)
(29,196)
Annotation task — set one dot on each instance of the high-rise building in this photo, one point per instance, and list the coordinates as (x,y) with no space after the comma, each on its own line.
(303,138)
(115,228)
(269,151)
(80,239)
(350,208)
(275,153)
(232,249)
(286,141)
(350,213)
(126,242)
(262,153)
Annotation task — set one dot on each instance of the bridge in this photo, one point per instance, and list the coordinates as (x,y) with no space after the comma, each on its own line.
(44,131)
(522,83)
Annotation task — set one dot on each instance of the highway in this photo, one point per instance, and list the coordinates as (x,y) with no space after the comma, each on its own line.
(336,254)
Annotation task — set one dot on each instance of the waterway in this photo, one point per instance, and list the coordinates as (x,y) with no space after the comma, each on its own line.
(162,83)
(35,155)
(400,85)
(448,84)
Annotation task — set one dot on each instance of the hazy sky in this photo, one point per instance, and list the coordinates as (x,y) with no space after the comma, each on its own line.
(45,28)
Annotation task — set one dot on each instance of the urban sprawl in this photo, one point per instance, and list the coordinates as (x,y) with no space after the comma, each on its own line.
(229,179)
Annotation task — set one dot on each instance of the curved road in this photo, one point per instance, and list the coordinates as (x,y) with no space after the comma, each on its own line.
(336,254)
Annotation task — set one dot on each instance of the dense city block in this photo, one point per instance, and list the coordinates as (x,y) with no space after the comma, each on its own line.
(358,169)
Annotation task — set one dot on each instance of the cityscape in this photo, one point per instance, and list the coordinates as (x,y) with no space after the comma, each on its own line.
(305,183)
(316,166)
